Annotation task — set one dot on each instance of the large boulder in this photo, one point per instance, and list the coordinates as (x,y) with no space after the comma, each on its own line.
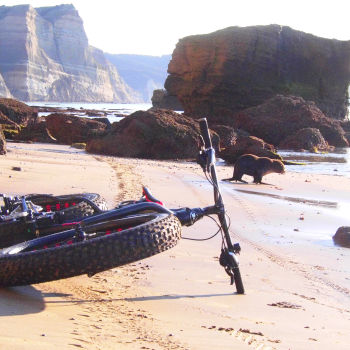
(2,142)
(221,73)
(306,139)
(248,144)
(35,132)
(13,112)
(4,120)
(228,135)
(342,236)
(162,99)
(346,126)
(68,129)
(282,116)
(152,134)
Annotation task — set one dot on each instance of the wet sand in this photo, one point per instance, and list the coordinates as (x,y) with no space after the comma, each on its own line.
(297,282)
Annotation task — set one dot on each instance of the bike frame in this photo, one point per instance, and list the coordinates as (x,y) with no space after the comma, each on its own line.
(187,216)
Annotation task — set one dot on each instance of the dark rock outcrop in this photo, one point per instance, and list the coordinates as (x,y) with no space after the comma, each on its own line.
(248,144)
(68,129)
(152,134)
(282,116)
(162,99)
(35,132)
(306,139)
(2,142)
(346,126)
(228,135)
(219,74)
(342,236)
(13,112)
(45,56)
(6,122)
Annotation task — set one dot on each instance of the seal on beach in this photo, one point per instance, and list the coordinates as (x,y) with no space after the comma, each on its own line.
(257,167)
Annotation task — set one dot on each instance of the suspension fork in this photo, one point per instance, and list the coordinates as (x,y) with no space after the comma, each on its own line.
(210,167)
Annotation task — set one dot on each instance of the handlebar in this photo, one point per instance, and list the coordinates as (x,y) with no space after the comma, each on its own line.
(203,125)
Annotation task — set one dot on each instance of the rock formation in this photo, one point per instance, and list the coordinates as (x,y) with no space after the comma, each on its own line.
(248,144)
(161,99)
(282,116)
(309,139)
(45,56)
(36,131)
(219,74)
(152,134)
(13,112)
(342,236)
(68,129)
(2,142)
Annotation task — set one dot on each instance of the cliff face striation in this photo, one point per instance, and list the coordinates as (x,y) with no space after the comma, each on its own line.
(221,73)
(45,56)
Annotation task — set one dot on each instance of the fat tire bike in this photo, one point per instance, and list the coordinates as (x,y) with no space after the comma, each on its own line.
(132,231)
(30,216)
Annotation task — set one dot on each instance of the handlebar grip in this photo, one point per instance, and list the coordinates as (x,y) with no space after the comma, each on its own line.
(205,132)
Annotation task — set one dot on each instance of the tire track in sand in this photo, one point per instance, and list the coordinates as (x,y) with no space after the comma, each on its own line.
(280,260)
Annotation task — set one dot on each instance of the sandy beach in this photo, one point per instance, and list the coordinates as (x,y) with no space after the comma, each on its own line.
(297,282)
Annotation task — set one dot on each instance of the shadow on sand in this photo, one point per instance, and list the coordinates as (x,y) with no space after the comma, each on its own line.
(23,300)
(151,297)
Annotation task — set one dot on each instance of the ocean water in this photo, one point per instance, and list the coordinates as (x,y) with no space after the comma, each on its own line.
(112,109)
(335,163)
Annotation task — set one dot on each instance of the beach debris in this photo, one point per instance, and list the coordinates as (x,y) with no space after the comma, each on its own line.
(250,332)
(286,305)
(16,168)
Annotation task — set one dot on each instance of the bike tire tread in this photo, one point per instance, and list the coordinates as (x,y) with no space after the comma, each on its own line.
(91,256)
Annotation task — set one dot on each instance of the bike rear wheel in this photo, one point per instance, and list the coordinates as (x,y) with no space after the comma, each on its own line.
(71,207)
(107,245)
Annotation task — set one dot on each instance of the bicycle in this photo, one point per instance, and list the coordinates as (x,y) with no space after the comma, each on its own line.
(34,215)
(132,231)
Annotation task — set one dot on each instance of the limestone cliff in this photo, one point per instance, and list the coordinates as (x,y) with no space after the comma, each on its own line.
(45,55)
(235,68)
(142,73)
(4,91)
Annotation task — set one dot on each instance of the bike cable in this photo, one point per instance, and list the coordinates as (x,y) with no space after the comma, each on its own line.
(208,238)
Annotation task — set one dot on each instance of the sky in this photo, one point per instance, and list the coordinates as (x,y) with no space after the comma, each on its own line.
(153,27)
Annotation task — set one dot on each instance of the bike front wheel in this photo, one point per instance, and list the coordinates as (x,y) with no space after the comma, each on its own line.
(103,246)
(238,281)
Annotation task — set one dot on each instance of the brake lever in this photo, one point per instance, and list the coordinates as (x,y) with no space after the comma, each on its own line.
(228,260)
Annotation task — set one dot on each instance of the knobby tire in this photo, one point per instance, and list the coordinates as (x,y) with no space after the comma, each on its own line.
(91,256)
